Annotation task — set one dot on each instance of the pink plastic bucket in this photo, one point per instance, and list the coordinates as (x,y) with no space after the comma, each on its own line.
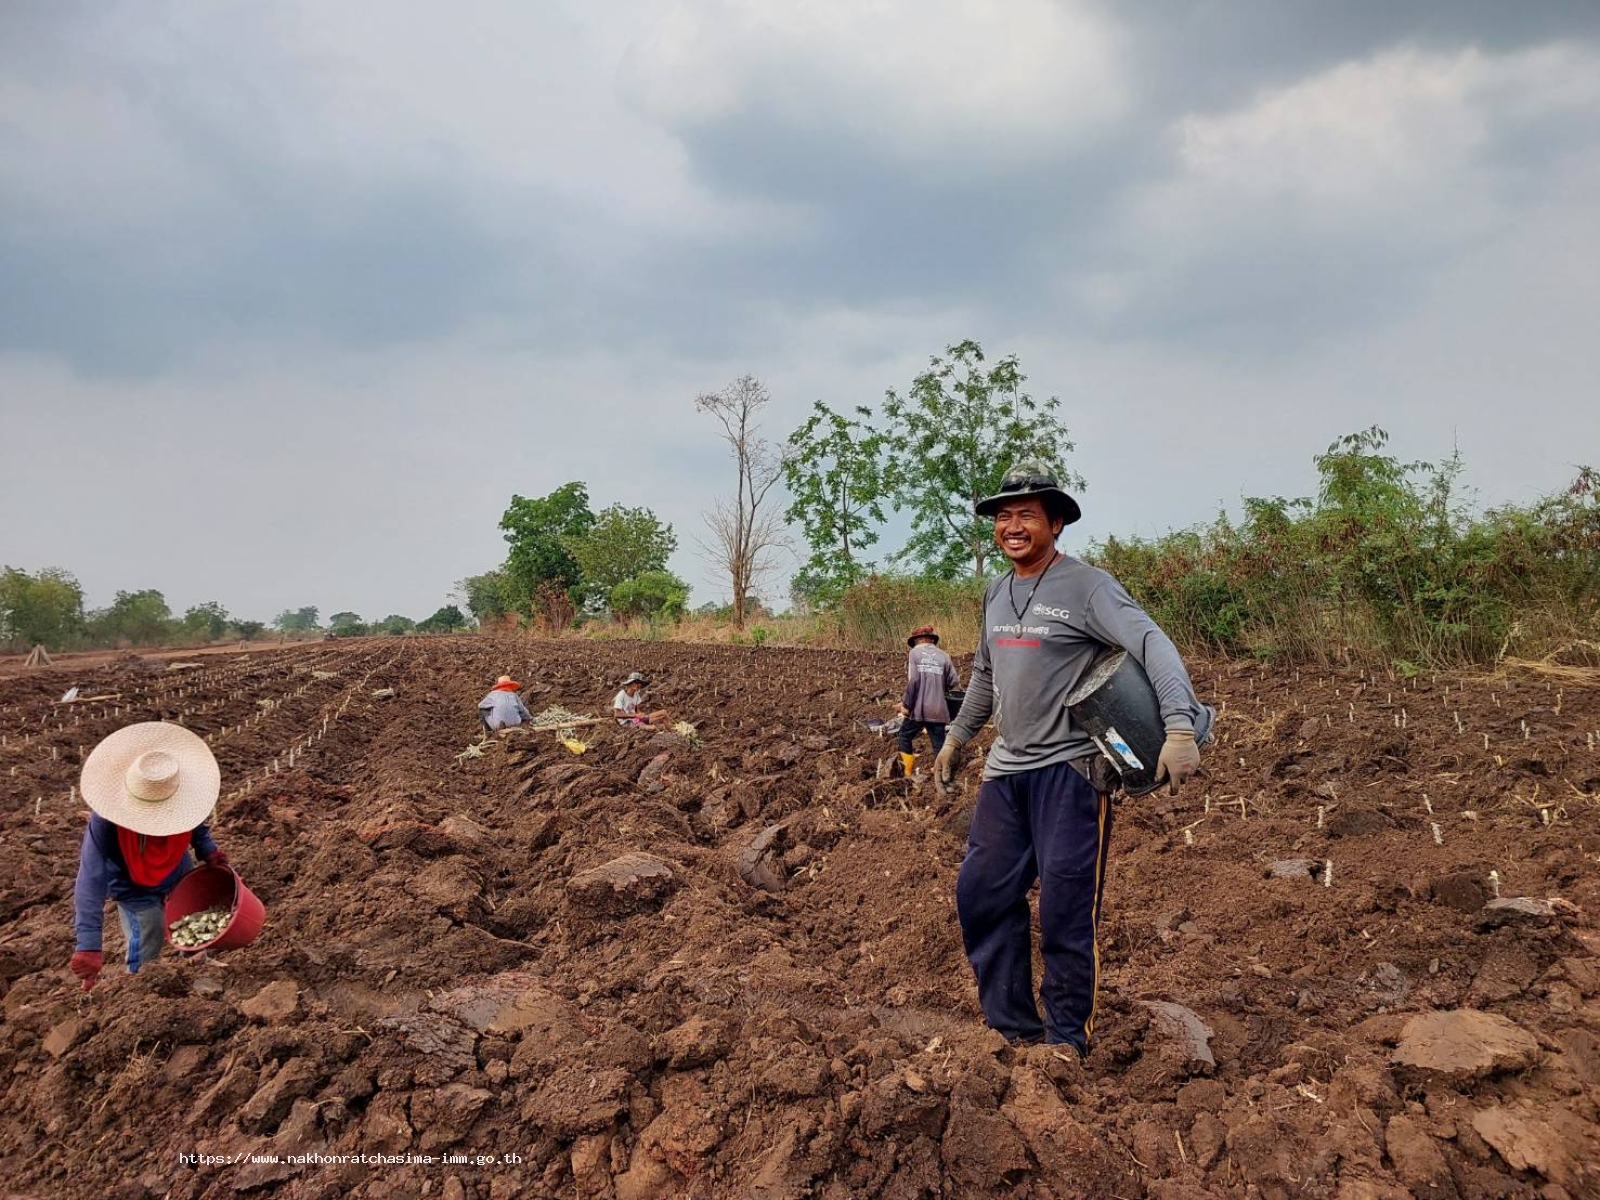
(206,888)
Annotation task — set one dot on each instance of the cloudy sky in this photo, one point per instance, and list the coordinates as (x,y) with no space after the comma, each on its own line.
(293,297)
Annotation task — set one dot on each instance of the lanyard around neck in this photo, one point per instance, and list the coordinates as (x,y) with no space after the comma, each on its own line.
(1011,587)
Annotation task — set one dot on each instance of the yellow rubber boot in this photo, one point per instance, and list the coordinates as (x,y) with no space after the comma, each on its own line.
(909,761)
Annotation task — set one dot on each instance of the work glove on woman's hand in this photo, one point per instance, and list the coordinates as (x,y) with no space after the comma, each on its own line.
(1180,758)
(86,966)
(217,858)
(948,762)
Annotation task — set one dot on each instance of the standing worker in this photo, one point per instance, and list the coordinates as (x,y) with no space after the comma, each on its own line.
(502,708)
(930,676)
(1038,816)
(150,788)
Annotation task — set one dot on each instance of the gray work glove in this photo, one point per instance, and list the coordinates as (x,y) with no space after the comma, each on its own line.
(948,762)
(1180,758)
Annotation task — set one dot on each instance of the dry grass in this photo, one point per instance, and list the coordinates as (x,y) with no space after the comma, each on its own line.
(1576,662)
(762,631)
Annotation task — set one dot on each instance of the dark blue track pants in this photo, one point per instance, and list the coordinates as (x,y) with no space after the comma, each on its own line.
(907,738)
(1047,825)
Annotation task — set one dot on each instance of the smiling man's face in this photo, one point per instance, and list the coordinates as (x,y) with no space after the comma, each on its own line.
(1025,532)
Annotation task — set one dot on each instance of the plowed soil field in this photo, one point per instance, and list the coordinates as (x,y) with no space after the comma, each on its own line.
(731,967)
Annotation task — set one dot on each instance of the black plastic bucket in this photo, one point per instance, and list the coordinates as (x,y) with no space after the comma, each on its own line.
(953,701)
(1116,706)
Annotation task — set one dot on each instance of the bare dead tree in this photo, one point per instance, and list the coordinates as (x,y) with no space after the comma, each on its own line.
(743,537)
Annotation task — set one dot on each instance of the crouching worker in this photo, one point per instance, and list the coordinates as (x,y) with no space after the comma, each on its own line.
(150,788)
(627,703)
(502,708)
(930,675)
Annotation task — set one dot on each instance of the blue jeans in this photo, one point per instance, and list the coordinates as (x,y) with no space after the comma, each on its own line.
(1047,825)
(144,928)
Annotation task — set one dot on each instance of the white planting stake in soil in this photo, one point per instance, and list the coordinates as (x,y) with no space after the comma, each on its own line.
(1327,874)
(1494,883)
(1322,811)
(1438,834)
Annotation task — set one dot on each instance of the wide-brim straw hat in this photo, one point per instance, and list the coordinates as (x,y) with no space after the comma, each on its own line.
(154,778)
(922,631)
(507,681)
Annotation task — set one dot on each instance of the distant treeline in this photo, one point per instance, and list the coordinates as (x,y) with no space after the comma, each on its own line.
(46,609)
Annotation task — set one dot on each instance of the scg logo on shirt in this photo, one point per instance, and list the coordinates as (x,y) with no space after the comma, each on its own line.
(1042,610)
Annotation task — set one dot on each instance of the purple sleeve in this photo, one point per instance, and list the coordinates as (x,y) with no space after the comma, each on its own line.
(202,841)
(89,895)
(910,698)
(952,678)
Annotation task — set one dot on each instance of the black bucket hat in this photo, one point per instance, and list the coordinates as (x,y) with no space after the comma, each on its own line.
(1030,479)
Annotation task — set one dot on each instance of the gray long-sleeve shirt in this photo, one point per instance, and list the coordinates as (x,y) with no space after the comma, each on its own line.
(1027,666)
(929,675)
(503,709)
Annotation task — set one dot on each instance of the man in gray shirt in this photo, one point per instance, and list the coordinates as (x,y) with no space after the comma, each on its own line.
(1037,816)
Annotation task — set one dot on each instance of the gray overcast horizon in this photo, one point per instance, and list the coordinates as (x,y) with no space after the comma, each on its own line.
(293,297)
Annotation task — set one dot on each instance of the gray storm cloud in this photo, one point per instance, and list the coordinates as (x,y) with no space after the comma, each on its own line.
(354,274)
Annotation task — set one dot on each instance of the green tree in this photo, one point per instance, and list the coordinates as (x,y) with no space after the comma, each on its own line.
(652,594)
(300,620)
(445,620)
(834,473)
(538,531)
(490,596)
(141,618)
(346,624)
(44,609)
(622,544)
(955,433)
(394,625)
(807,590)
(249,631)
(208,620)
